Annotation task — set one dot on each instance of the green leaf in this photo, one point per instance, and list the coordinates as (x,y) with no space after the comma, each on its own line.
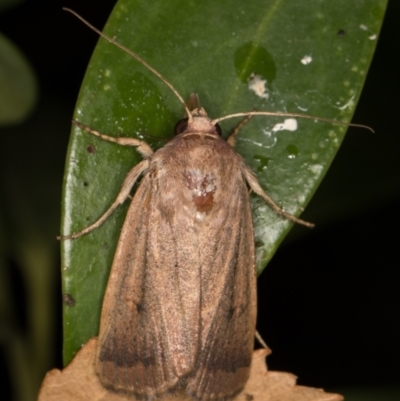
(17,82)
(4,4)
(315,57)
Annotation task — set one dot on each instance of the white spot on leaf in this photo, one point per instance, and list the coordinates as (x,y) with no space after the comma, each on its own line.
(316,169)
(290,124)
(258,85)
(306,60)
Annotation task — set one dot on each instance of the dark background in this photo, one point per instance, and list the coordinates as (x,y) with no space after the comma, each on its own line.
(329,300)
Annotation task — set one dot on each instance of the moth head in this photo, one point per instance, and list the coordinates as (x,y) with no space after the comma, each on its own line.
(199,123)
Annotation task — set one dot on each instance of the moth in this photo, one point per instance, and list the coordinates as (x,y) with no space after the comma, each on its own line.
(180,306)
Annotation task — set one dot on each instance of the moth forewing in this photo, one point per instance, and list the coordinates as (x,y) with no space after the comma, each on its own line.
(180,304)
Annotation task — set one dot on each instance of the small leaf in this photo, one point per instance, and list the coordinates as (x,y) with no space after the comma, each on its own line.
(17,82)
(4,4)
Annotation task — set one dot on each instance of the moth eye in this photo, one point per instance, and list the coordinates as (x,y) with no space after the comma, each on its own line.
(181,126)
(219,131)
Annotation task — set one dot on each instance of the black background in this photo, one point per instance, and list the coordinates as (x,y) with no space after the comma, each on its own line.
(329,300)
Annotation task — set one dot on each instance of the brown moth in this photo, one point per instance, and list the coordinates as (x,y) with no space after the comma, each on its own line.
(179,310)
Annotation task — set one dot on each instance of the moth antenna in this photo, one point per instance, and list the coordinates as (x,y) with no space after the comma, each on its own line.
(295,115)
(133,54)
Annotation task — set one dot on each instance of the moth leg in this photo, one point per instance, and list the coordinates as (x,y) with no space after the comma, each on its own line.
(255,186)
(127,185)
(232,137)
(261,340)
(142,147)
